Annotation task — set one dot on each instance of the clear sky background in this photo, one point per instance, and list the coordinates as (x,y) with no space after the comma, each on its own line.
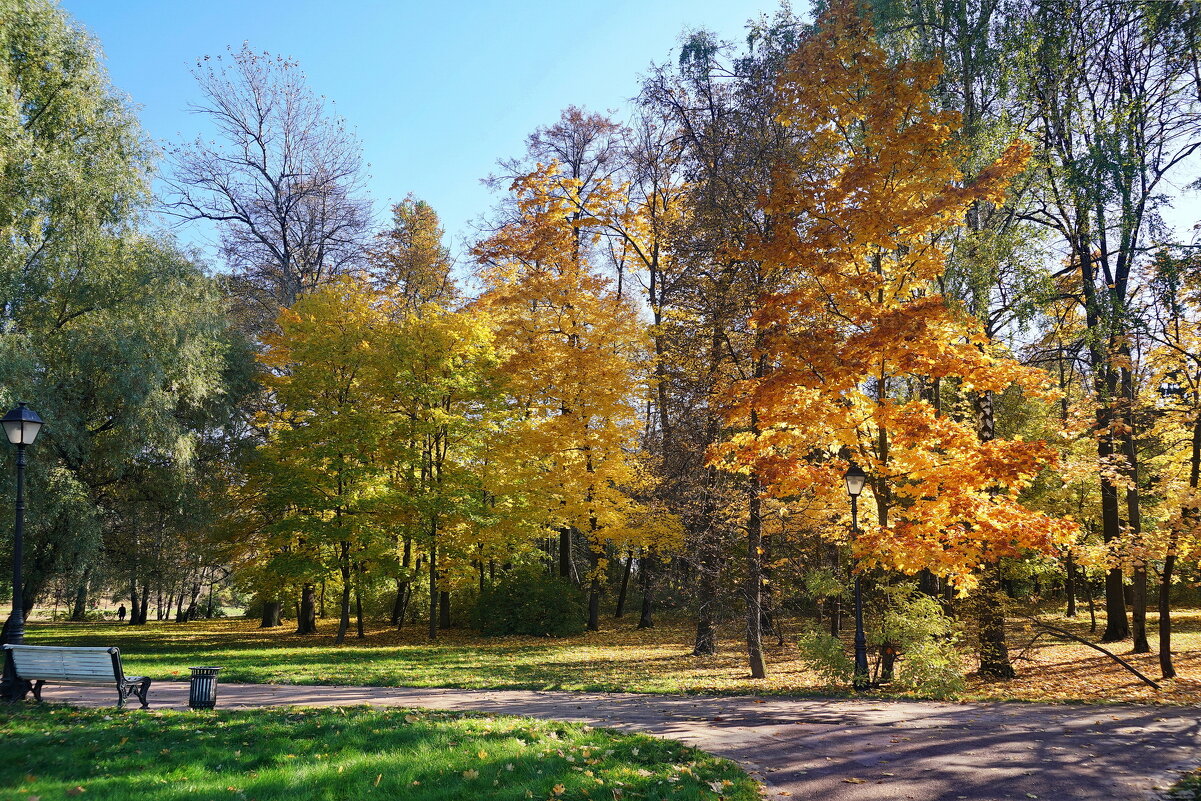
(437,91)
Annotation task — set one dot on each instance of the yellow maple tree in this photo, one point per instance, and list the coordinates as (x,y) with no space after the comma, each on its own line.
(575,355)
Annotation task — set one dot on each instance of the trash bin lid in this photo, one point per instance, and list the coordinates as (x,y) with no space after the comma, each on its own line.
(214,669)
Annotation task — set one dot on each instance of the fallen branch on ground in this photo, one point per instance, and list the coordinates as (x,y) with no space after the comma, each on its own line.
(1067,635)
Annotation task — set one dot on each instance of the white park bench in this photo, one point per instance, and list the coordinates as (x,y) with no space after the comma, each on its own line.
(34,665)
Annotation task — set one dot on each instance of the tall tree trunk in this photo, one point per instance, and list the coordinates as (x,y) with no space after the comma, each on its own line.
(594,590)
(433,622)
(398,611)
(994,651)
(1139,610)
(344,604)
(272,610)
(402,585)
(1092,606)
(645,567)
(143,608)
(1165,616)
(566,569)
(444,609)
(625,585)
(133,601)
(1069,584)
(358,602)
(927,582)
(705,642)
(306,614)
(1116,624)
(1133,513)
(754,585)
(191,612)
(80,607)
(990,601)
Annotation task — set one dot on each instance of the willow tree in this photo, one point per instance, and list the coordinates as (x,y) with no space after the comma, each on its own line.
(114,337)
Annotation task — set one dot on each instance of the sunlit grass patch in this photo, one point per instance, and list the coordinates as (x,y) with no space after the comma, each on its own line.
(343,754)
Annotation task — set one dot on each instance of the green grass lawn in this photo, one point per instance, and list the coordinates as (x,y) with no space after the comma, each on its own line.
(342,755)
(619,658)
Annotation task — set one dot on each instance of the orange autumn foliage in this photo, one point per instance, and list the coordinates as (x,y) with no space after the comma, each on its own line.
(855,333)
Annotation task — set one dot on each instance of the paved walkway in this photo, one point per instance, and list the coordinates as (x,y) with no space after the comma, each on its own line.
(831,750)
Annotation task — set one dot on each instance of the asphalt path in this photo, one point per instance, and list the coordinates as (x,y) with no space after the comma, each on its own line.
(828,749)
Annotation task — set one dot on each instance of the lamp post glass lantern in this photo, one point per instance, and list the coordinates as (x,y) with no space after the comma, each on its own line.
(21,426)
(856,479)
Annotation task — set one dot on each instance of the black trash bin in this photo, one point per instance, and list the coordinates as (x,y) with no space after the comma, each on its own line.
(202,694)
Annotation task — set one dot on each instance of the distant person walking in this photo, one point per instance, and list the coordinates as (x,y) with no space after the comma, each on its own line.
(121,613)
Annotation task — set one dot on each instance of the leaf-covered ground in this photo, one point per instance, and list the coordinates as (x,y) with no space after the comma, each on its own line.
(342,754)
(618,658)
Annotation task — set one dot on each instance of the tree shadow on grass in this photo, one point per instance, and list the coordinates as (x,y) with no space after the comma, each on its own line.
(164,651)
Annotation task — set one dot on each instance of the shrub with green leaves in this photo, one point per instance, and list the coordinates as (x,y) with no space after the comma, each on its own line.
(827,656)
(927,639)
(530,602)
(909,621)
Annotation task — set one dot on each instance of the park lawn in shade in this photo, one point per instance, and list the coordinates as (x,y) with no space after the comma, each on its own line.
(344,754)
(619,658)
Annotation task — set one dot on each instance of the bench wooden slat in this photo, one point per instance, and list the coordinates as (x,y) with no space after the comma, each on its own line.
(75,649)
(62,663)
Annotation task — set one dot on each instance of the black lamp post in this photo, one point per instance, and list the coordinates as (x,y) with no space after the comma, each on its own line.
(856,478)
(21,426)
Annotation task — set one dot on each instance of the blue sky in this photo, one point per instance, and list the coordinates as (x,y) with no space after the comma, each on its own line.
(437,91)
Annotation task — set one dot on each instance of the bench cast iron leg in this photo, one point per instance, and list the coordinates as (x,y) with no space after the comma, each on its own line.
(142,690)
(37,690)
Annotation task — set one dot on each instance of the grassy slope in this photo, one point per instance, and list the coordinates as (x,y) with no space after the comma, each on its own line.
(618,658)
(343,754)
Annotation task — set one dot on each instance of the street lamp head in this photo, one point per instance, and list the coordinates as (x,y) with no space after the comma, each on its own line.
(21,425)
(855,479)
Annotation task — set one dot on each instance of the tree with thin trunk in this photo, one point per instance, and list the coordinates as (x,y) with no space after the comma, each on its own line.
(1113,88)
(281,181)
